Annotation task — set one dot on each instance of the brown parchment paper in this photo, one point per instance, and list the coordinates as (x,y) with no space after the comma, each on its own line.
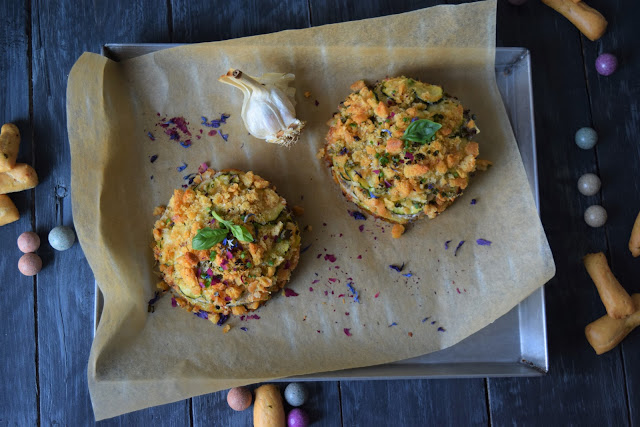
(140,359)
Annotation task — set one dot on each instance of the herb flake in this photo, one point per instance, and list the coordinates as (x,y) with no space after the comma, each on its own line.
(422,131)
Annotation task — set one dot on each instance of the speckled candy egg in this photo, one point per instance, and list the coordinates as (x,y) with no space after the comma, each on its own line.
(296,394)
(28,242)
(606,64)
(595,216)
(586,138)
(297,418)
(61,238)
(589,184)
(239,398)
(30,264)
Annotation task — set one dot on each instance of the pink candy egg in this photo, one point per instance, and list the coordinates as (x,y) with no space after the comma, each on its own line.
(28,242)
(30,264)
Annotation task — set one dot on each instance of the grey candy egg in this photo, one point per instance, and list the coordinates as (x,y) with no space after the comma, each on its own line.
(595,216)
(61,238)
(589,184)
(296,394)
(586,138)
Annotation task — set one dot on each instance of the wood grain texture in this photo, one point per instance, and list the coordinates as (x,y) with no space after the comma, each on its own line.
(207,21)
(417,402)
(577,378)
(212,21)
(615,107)
(65,288)
(332,11)
(454,402)
(18,389)
(581,388)
(172,415)
(323,407)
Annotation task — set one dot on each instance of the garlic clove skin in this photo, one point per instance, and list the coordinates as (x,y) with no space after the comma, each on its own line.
(268,108)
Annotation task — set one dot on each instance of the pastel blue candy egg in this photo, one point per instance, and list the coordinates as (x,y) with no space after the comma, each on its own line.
(61,238)
(586,138)
(589,184)
(295,394)
(595,216)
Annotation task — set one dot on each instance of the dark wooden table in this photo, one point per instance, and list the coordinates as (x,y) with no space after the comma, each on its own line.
(47,320)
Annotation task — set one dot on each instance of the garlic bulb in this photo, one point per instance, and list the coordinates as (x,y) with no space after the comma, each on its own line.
(268,110)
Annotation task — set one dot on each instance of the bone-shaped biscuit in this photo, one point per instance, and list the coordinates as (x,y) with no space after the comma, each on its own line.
(9,146)
(606,332)
(8,211)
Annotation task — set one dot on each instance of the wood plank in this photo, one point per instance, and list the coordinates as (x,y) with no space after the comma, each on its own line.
(206,21)
(65,288)
(452,402)
(18,392)
(416,402)
(174,414)
(615,105)
(323,406)
(212,21)
(581,388)
(330,12)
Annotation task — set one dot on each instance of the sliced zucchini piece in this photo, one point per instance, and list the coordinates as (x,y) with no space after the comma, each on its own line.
(428,93)
(270,214)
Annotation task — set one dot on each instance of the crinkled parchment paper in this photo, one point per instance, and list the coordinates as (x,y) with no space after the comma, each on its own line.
(140,359)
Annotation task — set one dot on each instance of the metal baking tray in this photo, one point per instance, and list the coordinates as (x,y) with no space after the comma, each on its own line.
(513,345)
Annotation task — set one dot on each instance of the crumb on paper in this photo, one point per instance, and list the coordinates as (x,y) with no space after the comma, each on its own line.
(298,210)
(307,94)
(397,230)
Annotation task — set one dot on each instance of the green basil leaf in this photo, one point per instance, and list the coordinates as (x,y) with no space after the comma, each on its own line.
(241,233)
(421,131)
(219,218)
(208,237)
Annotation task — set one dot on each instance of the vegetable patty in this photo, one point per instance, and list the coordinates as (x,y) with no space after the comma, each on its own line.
(226,244)
(402,148)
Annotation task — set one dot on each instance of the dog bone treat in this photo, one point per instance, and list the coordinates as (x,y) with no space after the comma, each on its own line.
(606,333)
(21,177)
(268,410)
(8,211)
(589,21)
(9,145)
(615,299)
(634,240)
